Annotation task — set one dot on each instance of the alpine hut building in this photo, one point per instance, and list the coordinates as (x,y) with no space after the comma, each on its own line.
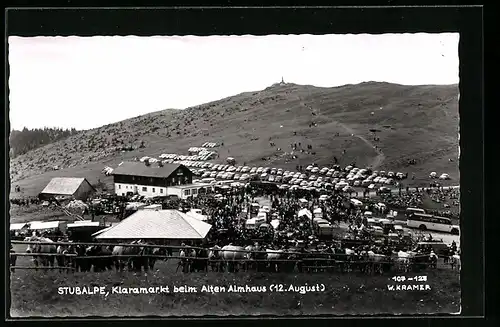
(149,179)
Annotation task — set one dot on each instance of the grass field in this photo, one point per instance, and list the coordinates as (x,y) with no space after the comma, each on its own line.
(35,293)
(412,122)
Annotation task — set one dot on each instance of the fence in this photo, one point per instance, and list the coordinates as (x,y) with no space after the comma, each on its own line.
(303,257)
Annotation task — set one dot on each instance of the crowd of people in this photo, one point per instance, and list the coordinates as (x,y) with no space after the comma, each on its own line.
(228,210)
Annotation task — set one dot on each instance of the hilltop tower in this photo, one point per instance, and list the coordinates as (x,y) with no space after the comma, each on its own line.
(282,80)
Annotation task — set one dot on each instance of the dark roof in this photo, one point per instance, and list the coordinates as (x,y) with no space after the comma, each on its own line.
(131,168)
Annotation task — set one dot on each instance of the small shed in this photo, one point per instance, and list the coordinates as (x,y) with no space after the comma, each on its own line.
(76,188)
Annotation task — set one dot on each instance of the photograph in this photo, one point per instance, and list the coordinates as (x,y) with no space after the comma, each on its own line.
(234,175)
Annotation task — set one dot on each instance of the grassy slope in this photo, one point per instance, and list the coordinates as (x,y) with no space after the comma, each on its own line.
(419,122)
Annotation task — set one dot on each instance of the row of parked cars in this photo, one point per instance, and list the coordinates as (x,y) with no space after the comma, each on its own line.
(351,171)
(210,145)
(329,178)
(198,157)
(352,177)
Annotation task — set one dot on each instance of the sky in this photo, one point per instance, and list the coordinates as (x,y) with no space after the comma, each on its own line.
(87,82)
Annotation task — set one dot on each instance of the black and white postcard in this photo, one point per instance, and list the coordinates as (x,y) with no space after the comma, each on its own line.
(234,175)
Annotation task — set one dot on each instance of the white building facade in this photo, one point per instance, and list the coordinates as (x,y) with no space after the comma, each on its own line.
(149,180)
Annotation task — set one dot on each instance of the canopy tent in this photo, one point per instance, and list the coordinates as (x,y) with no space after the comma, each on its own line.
(158,224)
(302,200)
(305,212)
(275,223)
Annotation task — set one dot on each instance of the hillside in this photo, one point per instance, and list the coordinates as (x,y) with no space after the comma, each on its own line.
(29,139)
(411,122)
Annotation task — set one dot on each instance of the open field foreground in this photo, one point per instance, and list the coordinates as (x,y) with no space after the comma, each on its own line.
(36,294)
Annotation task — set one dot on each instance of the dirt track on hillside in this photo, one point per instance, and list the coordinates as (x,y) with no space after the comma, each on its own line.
(377,161)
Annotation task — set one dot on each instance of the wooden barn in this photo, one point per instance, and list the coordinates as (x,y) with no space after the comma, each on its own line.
(68,187)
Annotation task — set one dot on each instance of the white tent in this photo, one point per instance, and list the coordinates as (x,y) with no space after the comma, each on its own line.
(305,212)
(275,223)
(303,201)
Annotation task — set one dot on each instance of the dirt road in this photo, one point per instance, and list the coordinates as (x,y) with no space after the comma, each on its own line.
(377,161)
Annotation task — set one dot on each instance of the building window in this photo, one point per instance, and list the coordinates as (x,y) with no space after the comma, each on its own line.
(144,188)
(153,189)
(195,191)
(187,192)
(161,190)
(119,186)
